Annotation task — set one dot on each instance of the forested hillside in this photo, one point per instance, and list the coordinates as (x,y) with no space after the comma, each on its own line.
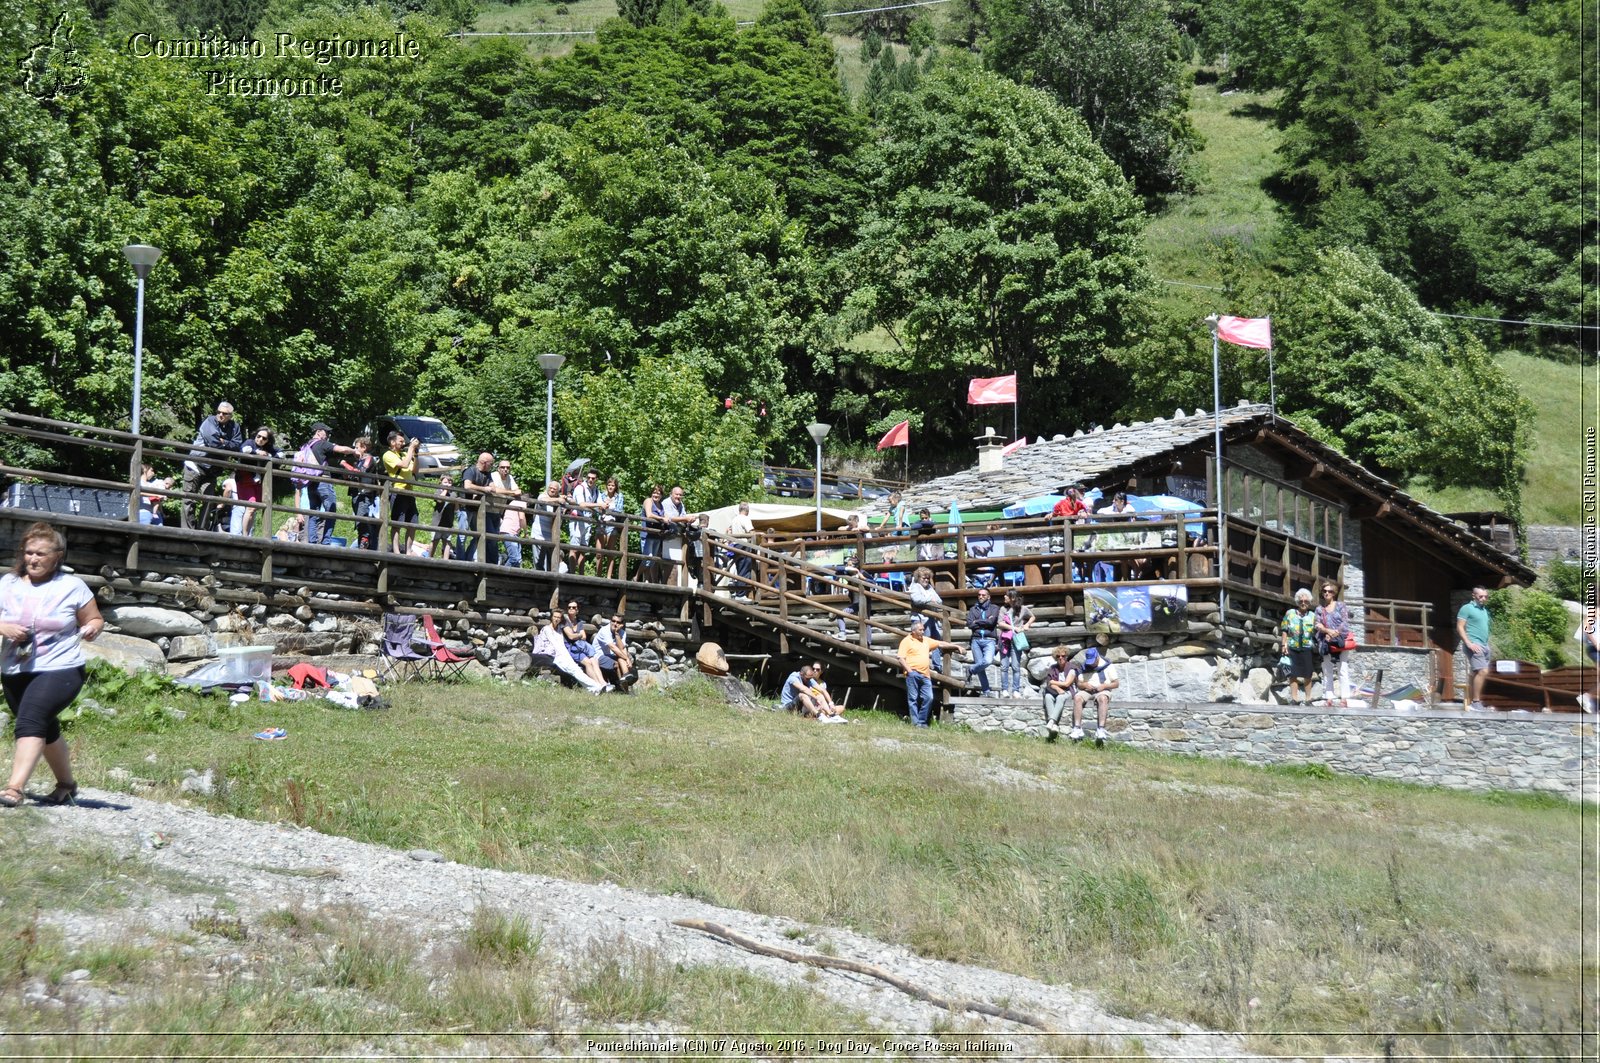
(695,210)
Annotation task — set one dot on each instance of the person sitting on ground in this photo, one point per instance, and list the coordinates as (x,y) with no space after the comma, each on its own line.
(615,657)
(293,530)
(1096,680)
(1060,687)
(796,695)
(576,634)
(549,644)
(828,710)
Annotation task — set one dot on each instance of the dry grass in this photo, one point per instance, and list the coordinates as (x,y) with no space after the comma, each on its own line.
(1229,896)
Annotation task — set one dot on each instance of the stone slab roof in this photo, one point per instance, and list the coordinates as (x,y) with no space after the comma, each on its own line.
(1085,457)
(1106,454)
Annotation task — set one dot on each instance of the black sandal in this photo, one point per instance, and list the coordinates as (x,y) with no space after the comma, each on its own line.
(63,794)
(11,797)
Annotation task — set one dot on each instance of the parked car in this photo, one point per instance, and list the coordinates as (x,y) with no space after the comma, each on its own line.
(438,453)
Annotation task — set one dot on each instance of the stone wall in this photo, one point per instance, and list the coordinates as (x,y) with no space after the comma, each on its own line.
(1505,751)
(173,625)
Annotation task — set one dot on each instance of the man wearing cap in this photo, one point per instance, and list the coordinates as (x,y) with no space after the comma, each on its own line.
(219,432)
(1096,679)
(323,500)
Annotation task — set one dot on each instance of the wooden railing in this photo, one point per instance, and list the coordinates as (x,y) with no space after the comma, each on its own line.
(802,483)
(115,459)
(1391,622)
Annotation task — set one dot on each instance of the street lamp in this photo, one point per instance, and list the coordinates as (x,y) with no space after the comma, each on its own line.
(141,257)
(819,432)
(550,363)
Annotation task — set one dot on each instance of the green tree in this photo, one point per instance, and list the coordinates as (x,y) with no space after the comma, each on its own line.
(657,424)
(1360,357)
(1118,63)
(999,239)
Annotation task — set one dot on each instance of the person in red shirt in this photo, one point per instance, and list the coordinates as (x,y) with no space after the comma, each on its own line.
(1072,506)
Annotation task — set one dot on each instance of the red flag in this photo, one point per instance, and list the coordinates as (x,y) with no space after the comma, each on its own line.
(986,391)
(1012,448)
(1246,331)
(898,436)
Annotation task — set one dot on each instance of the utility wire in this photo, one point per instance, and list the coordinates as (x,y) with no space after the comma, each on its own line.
(1435,313)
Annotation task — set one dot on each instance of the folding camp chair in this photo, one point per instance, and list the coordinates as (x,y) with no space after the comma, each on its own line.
(447,663)
(401,663)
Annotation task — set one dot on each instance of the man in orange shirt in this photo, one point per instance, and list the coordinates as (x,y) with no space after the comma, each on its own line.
(916,657)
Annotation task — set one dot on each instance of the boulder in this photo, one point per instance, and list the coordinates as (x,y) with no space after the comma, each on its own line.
(300,644)
(148,621)
(711,659)
(127,653)
(1256,688)
(190,648)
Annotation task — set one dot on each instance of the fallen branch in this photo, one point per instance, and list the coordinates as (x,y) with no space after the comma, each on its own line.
(834,963)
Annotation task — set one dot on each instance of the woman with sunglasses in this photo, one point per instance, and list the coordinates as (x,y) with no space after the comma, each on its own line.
(45,617)
(247,481)
(1333,624)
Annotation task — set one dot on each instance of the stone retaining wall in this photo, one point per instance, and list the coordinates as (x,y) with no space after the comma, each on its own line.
(178,628)
(1465,751)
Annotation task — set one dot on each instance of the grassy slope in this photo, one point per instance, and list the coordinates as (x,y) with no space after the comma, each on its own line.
(1181,888)
(1551,490)
(1231,206)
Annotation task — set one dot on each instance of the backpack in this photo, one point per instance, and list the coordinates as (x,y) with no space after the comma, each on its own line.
(306,466)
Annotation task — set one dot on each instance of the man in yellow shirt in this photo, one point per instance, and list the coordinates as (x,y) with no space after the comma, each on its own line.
(400,463)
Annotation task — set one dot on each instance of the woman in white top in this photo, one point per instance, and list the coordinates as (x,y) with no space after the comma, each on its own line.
(45,615)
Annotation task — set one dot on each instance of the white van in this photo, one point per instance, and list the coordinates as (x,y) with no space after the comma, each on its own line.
(438,453)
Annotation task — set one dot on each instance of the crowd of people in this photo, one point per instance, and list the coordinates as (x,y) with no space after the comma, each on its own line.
(482,513)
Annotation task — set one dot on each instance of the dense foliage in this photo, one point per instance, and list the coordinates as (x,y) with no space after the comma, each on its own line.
(1447,138)
(1118,63)
(725,246)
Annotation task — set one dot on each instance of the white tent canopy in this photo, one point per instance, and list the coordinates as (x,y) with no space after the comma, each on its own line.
(770,516)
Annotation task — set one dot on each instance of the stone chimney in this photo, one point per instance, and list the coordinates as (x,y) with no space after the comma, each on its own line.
(989,447)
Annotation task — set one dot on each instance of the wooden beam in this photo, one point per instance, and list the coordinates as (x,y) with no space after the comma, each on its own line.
(1373,510)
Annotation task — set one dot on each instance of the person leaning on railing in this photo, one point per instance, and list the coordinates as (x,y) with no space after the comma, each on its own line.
(218,432)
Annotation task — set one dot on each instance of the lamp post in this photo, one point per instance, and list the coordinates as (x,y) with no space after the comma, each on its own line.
(550,363)
(141,257)
(819,432)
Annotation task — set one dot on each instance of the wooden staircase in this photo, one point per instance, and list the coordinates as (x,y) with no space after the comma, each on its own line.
(848,623)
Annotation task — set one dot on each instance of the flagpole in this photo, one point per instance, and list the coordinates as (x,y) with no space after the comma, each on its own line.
(1272,381)
(1222,513)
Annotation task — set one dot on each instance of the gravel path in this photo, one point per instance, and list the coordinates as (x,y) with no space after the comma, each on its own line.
(263,867)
